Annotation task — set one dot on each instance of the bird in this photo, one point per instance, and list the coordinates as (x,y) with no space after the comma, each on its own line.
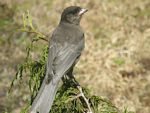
(65,48)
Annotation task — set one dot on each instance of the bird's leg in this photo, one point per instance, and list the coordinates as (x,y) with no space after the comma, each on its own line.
(74,80)
(64,79)
(71,75)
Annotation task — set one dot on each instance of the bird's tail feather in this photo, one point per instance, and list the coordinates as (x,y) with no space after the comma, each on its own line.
(44,100)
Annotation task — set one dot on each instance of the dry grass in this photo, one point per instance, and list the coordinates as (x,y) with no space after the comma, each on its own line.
(115,63)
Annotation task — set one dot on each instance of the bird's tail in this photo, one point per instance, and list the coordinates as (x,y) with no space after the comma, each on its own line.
(44,100)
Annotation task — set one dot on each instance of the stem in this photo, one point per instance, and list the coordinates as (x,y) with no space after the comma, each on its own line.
(35,32)
(73,98)
(85,99)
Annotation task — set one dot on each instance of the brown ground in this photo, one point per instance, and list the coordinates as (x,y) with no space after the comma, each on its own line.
(116,60)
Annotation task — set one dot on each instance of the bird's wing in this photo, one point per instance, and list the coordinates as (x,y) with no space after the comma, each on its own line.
(63,57)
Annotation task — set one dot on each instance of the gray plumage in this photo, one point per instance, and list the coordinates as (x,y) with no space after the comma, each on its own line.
(66,45)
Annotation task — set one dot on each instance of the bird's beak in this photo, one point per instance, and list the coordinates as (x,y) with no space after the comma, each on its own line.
(82,11)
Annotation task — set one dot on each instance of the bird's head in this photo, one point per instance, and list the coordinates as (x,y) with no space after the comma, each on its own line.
(73,14)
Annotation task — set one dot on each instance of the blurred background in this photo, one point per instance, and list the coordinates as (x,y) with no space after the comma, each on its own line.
(115,63)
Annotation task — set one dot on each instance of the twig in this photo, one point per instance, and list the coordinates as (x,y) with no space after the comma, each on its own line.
(73,98)
(43,39)
(35,32)
(85,99)
(82,94)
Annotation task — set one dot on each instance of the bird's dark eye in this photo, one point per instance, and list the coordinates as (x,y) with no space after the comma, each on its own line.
(75,11)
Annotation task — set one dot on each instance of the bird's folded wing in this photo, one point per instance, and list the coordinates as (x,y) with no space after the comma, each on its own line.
(64,58)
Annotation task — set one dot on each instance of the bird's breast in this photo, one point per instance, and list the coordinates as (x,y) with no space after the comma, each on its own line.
(71,34)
